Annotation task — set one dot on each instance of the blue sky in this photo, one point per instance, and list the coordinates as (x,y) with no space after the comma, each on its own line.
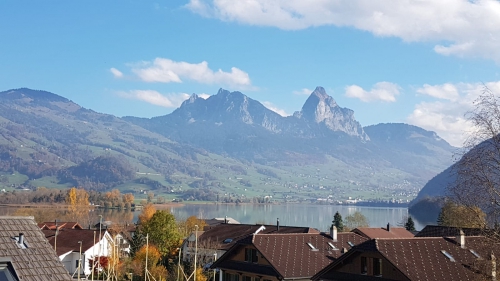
(421,62)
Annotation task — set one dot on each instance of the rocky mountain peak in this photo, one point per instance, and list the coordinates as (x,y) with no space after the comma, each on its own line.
(320,108)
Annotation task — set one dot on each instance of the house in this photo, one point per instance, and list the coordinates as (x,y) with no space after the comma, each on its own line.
(52,225)
(69,243)
(288,256)
(215,240)
(428,258)
(383,232)
(25,254)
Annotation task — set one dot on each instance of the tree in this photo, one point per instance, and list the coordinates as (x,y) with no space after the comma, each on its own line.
(410,225)
(338,222)
(147,212)
(163,232)
(461,216)
(357,219)
(128,198)
(154,267)
(189,224)
(477,183)
(78,201)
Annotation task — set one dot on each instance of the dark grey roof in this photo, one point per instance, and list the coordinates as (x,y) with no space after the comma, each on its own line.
(36,260)
(447,231)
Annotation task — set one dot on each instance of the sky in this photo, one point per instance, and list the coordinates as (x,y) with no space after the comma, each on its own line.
(421,62)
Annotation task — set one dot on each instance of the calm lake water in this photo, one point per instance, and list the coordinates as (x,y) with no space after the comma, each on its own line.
(316,216)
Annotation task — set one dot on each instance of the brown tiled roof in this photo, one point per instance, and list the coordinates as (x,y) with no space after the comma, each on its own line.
(214,236)
(60,225)
(67,239)
(38,261)
(289,254)
(446,231)
(423,259)
(292,257)
(378,232)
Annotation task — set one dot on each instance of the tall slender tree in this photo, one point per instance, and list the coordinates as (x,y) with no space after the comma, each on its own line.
(338,222)
(410,225)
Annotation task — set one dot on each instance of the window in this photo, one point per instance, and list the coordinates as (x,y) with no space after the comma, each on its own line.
(377,267)
(251,255)
(364,265)
(231,277)
(7,272)
(446,254)
(247,278)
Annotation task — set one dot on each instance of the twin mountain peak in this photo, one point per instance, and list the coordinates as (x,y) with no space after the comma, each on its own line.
(320,114)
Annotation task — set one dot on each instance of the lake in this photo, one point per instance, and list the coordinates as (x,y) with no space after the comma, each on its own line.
(312,215)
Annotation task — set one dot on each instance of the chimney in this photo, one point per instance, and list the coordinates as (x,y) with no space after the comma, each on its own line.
(225,219)
(388,227)
(278,224)
(462,239)
(21,239)
(333,233)
(493,267)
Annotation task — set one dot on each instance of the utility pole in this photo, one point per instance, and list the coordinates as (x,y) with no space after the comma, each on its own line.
(195,249)
(99,250)
(80,261)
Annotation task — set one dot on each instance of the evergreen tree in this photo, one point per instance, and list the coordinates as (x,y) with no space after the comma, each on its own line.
(337,222)
(410,225)
(138,240)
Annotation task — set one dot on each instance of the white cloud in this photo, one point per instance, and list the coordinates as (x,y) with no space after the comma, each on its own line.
(116,73)
(272,107)
(446,115)
(382,91)
(154,97)
(304,91)
(446,91)
(204,96)
(458,27)
(169,71)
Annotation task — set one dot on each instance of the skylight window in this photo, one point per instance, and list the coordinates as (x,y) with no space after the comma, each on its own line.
(475,254)
(312,246)
(227,241)
(350,243)
(446,254)
(7,272)
(332,246)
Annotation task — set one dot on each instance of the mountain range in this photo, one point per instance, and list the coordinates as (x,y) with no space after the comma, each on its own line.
(227,144)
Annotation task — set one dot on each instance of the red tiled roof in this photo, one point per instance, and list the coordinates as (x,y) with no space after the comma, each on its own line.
(37,261)
(60,225)
(214,236)
(376,232)
(67,239)
(423,259)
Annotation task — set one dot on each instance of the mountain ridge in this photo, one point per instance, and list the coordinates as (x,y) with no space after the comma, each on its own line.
(219,144)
